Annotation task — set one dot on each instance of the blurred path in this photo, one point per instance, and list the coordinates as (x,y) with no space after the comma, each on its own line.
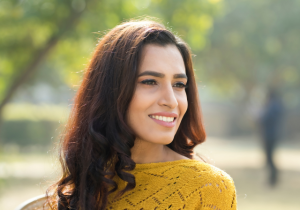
(28,166)
(247,153)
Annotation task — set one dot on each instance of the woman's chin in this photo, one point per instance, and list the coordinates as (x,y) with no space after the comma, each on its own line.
(165,141)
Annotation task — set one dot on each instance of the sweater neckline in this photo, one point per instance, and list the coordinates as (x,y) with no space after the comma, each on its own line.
(160,164)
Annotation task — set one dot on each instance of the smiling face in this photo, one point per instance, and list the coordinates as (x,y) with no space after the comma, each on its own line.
(159,101)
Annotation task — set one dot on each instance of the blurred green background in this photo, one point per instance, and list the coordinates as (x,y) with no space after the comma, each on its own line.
(241,48)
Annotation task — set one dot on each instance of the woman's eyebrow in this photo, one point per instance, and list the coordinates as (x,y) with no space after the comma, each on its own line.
(176,76)
(151,73)
(157,74)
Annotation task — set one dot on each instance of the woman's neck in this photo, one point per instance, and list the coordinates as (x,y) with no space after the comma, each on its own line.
(147,152)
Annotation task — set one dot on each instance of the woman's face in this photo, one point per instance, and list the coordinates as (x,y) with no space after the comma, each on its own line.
(159,101)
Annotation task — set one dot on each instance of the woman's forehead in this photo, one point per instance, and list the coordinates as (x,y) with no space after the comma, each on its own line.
(165,59)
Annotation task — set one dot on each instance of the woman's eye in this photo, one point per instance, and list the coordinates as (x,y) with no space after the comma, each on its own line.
(149,82)
(153,82)
(180,85)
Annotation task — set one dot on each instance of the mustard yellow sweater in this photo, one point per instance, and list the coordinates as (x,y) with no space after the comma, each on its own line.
(181,184)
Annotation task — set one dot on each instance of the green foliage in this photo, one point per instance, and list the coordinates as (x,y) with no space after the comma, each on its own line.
(29,124)
(25,132)
(27,26)
(255,44)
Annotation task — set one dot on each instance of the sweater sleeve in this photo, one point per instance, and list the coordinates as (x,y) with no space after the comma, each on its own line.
(218,193)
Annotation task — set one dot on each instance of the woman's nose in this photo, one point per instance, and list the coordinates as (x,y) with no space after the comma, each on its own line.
(168,97)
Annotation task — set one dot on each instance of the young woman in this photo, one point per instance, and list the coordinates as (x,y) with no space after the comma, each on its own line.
(130,136)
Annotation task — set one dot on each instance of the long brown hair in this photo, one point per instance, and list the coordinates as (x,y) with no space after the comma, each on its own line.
(97,141)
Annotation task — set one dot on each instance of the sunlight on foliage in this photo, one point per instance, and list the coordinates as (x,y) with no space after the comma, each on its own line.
(214,1)
(26,27)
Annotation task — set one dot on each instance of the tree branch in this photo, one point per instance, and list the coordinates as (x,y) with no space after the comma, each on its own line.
(39,55)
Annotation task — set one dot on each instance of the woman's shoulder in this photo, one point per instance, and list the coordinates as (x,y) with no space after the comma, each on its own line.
(188,170)
(207,172)
(212,183)
(191,170)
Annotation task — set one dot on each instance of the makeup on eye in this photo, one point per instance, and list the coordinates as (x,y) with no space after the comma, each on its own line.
(153,82)
(182,85)
(149,82)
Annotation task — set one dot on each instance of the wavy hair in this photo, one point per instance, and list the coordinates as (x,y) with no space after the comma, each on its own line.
(97,140)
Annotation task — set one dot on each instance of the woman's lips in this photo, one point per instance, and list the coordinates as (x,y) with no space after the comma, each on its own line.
(163,123)
(165,114)
(171,124)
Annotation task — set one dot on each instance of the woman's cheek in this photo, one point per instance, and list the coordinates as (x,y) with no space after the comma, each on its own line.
(183,103)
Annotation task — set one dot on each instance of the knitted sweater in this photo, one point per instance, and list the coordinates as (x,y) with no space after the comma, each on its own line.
(182,184)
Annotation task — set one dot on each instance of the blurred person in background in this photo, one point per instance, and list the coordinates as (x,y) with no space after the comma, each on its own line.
(271,124)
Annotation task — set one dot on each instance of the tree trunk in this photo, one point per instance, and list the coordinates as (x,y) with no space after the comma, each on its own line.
(38,57)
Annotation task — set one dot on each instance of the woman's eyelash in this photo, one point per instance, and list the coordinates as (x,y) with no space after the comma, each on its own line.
(153,82)
(149,82)
(181,85)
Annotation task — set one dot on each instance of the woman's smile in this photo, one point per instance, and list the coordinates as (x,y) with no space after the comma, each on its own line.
(164,118)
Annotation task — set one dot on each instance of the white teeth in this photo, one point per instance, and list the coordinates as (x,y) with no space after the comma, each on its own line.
(162,118)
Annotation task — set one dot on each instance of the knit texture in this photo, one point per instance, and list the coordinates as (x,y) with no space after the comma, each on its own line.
(181,184)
